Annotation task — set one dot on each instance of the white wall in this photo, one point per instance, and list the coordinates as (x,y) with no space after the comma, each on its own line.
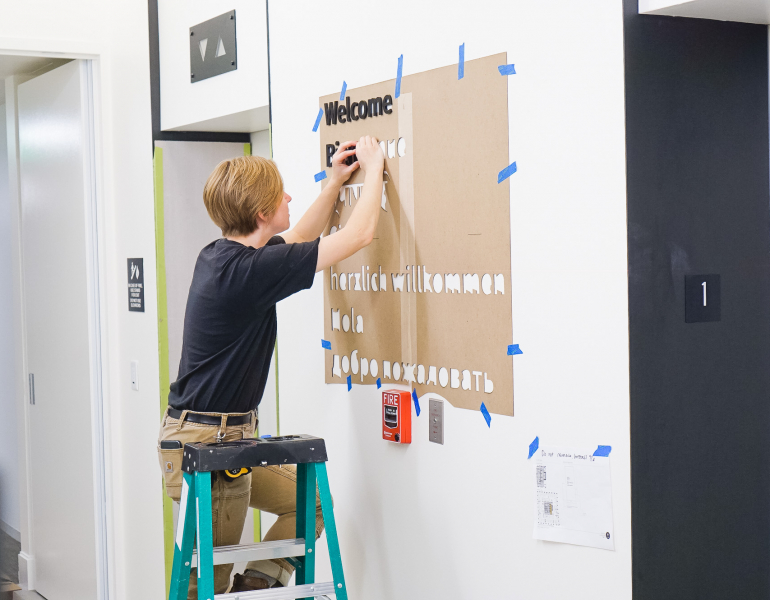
(234,101)
(455,521)
(116,35)
(9,456)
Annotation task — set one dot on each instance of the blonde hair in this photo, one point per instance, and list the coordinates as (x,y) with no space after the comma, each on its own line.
(239,189)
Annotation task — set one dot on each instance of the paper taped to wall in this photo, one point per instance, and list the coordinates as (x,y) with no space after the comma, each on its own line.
(573,497)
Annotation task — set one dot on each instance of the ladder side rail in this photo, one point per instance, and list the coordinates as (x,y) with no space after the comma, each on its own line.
(306,485)
(327,509)
(205,535)
(183,544)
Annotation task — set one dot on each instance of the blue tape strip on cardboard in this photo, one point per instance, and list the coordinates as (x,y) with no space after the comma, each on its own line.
(320,176)
(533,447)
(461,62)
(416,402)
(603,451)
(318,119)
(506,172)
(350,383)
(514,349)
(487,416)
(326,345)
(398,75)
(379,383)
(507,69)
(344,89)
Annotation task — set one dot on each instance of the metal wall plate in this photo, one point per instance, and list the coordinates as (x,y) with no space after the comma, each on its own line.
(436,427)
(213,48)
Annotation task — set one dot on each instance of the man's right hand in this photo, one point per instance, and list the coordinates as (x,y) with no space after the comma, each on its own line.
(369,154)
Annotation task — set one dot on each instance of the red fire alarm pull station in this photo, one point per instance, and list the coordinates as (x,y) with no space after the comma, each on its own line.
(397,416)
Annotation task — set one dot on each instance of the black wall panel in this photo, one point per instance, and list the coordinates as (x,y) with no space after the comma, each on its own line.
(698,203)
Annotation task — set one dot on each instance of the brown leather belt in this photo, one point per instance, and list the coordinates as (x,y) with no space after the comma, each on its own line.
(194,417)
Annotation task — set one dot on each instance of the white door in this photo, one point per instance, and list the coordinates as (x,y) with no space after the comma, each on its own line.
(53,147)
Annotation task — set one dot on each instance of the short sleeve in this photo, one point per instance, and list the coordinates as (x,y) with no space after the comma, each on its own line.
(278,270)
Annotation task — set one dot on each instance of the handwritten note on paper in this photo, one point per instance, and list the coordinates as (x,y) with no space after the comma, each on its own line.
(573,497)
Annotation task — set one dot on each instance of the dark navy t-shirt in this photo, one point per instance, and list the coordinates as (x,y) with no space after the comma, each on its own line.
(230,321)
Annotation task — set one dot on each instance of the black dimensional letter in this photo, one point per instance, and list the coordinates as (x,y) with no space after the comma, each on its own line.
(386,104)
(331,113)
(362,110)
(375,107)
(341,112)
(330,149)
(353,114)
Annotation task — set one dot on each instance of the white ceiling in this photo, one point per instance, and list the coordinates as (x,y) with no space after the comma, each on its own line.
(25,65)
(743,11)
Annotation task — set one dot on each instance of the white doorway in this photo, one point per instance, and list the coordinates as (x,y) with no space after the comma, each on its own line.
(63,445)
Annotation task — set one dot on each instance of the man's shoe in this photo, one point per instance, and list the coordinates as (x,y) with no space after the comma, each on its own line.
(244,583)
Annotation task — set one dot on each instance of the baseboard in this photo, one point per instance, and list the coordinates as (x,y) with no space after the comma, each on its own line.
(27,595)
(10,530)
(26,571)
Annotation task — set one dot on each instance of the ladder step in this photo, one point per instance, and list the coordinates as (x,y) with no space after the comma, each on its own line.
(309,590)
(225,555)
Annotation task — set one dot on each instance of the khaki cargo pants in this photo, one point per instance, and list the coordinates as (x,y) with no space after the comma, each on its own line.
(272,489)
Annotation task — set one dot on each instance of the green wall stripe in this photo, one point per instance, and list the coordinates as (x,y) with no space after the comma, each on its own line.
(160,267)
(257,513)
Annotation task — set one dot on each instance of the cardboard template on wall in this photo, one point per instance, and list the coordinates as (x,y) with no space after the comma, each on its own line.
(444,223)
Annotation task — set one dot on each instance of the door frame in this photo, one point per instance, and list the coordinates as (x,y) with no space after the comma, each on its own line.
(96,298)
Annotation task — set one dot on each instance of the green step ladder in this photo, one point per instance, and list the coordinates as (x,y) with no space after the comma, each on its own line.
(309,454)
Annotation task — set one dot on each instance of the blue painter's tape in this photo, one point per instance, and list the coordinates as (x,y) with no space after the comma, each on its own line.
(320,176)
(326,345)
(344,89)
(379,383)
(461,62)
(507,69)
(487,416)
(264,437)
(514,349)
(603,451)
(318,119)
(416,402)
(533,447)
(350,383)
(398,75)
(506,172)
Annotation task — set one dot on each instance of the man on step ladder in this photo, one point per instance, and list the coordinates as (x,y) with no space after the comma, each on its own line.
(230,329)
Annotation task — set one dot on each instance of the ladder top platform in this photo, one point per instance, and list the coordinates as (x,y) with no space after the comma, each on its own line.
(255,452)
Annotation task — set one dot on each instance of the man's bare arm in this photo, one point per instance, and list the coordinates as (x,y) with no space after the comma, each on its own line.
(313,222)
(362,224)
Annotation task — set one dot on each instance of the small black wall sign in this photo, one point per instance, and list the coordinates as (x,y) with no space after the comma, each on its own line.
(213,47)
(136,284)
(702,299)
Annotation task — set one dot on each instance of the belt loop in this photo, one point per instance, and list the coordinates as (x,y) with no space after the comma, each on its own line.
(182,417)
(222,427)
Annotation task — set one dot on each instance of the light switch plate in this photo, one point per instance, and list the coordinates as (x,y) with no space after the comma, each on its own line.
(135,375)
(436,427)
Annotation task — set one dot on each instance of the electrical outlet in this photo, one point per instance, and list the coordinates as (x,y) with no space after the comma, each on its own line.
(135,375)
